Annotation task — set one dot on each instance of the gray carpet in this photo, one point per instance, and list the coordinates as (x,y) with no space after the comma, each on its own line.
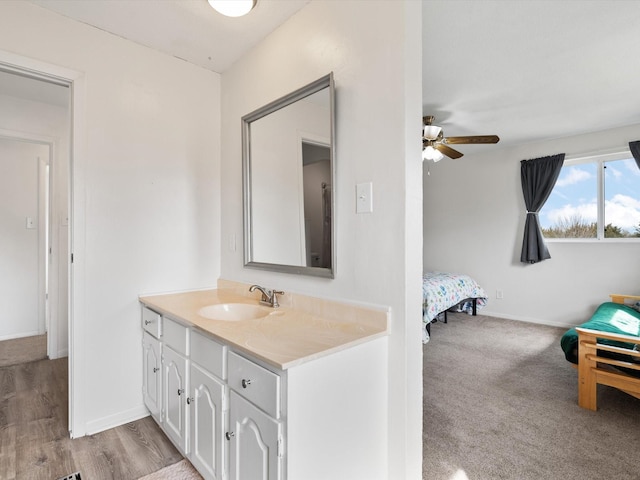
(500,402)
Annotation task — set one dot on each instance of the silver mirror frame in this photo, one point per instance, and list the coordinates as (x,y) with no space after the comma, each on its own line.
(310,89)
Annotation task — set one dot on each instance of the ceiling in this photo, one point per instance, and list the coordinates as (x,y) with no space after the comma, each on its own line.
(526,70)
(530,70)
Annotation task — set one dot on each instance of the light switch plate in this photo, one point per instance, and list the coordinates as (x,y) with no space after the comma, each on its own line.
(364,197)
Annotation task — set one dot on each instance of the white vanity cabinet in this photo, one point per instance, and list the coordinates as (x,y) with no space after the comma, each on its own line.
(152,375)
(152,362)
(175,413)
(237,416)
(255,434)
(208,406)
(255,442)
(175,382)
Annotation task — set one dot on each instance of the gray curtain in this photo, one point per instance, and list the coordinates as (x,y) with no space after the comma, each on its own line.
(635,151)
(538,179)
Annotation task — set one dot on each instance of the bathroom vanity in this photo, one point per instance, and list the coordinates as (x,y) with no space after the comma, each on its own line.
(297,392)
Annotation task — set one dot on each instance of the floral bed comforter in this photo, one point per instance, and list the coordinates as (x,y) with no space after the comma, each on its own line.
(441,291)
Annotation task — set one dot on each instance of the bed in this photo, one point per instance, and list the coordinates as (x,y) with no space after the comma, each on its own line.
(606,349)
(442,291)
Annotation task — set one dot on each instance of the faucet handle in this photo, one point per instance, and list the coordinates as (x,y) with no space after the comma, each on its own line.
(274,299)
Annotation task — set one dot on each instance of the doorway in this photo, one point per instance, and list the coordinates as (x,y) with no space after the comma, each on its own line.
(24,240)
(37,108)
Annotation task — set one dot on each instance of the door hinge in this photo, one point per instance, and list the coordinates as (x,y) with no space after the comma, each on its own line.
(280,448)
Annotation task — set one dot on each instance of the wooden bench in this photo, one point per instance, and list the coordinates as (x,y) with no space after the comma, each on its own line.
(594,368)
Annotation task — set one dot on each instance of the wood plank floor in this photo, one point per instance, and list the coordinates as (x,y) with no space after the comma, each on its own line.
(21,350)
(35,444)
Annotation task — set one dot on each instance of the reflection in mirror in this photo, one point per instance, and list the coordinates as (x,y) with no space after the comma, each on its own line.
(288,181)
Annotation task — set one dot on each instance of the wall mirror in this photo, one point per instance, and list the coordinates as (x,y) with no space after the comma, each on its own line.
(288,179)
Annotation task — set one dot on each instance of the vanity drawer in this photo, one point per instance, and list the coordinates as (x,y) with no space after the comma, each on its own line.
(255,383)
(151,322)
(175,335)
(209,354)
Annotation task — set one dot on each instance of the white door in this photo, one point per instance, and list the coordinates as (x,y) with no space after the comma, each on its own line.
(152,375)
(208,416)
(22,237)
(174,380)
(256,445)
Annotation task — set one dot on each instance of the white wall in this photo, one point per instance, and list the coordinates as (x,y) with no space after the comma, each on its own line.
(473,223)
(19,197)
(48,123)
(150,192)
(374,53)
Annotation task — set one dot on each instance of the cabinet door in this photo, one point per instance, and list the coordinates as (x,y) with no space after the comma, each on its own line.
(152,375)
(207,411)
(175,388)
(255,450)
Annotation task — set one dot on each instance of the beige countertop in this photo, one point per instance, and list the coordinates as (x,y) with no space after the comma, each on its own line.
(287,336)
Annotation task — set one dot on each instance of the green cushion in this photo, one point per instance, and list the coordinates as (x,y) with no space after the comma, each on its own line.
(609,317)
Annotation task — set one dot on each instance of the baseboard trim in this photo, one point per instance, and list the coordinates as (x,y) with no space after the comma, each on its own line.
(518,318)
(14,336)
(60,354)
(112,421)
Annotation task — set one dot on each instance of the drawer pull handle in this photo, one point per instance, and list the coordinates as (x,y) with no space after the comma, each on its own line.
(155,369)
(180,391)
(147,322)
(228,435)
(245,383)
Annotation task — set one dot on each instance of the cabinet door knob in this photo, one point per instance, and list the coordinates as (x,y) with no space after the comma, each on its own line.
(180,391)
(147,322)
(245,383)
(155,369)
(228,435)
(189,400)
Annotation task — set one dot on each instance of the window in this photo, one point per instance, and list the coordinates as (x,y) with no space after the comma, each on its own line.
(596,197)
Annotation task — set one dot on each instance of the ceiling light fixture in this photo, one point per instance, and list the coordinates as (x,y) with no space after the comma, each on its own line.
(431,132)
(430,153)
(233,8)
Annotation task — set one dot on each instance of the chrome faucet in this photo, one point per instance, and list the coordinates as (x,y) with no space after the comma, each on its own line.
(268,296)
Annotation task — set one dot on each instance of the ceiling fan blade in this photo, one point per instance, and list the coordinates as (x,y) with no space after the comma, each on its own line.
(448,151)
(472,139)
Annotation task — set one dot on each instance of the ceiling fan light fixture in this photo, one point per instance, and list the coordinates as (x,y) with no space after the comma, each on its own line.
(233,8)
(431,132)
(430,153)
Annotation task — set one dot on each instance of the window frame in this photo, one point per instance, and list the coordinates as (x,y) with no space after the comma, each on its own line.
(600,158)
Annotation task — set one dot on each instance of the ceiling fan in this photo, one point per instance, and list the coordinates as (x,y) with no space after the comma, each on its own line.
(435,145)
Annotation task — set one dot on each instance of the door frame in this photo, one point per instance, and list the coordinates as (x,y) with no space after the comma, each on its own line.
(76,263)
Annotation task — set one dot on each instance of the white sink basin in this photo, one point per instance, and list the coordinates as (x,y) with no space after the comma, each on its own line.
(233,312)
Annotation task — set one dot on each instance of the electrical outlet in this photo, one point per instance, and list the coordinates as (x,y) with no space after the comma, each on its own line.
(499,294)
